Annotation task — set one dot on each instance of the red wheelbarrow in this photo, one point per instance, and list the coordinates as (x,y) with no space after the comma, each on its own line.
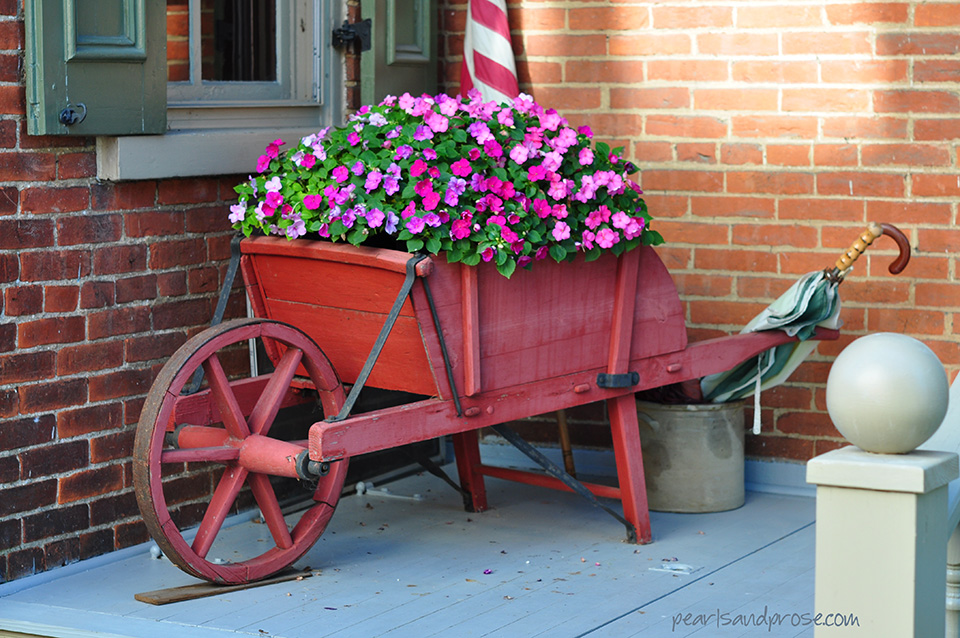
(480,349)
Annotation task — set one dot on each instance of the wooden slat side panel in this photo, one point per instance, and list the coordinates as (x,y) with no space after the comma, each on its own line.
(346,337)
(659,325)
(545,322)
(380,258)
(331,284)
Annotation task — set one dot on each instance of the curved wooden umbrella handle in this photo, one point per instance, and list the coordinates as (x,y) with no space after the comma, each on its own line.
(868,236)
(904,257)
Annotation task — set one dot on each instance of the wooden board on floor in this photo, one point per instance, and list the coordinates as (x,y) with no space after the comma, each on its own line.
(202,590)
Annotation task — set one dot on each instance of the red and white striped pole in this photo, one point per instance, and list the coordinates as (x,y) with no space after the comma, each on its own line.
(488,63)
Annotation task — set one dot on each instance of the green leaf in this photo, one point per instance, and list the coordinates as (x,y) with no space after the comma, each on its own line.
(652,238)
(413,245)
(337,228)
(506,269)
(356,236)
(593,254)
(472,259)
(558,252)
(501,257)
(433,245)
(603,149)
(459,135)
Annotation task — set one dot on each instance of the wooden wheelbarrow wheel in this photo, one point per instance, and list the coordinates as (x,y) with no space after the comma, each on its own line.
(228,423)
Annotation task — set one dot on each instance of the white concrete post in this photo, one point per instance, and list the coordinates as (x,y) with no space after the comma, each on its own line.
(953,585)
(881,541)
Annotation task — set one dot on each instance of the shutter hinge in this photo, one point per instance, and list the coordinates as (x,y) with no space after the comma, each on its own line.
(349,33)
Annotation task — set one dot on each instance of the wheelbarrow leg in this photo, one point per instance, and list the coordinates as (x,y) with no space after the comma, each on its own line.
(466,447)
(626,448)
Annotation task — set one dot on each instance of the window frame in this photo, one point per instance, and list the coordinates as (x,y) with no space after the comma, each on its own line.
(224,136)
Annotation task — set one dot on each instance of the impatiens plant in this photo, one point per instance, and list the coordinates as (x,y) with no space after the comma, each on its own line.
(508,183)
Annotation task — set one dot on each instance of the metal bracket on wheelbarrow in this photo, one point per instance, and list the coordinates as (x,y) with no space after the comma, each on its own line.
(625,380)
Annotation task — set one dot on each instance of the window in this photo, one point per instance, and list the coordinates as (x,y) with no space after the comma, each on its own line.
(240,73)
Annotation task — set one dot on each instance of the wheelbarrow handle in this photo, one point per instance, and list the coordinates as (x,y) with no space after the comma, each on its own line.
(868,236)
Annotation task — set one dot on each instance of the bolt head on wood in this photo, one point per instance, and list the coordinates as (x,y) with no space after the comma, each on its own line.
(887,393)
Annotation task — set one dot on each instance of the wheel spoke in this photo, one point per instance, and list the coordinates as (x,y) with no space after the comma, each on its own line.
(269,403)
(270,508)
(224,398)
(223,497)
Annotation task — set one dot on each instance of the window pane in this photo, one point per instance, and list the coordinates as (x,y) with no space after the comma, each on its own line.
(239,40)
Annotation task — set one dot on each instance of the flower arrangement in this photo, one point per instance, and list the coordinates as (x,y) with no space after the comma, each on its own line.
(509,184)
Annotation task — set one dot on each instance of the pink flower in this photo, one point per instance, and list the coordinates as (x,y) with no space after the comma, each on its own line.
(237,212)
(634,228)
(423,187)
(307,161)
(588,238)
(263,163)
(519,153)
(431,200)
(373,180)
(353,138)
(487,254)
(586,156)
(585,130)
(620,219)
(436,121)
(561,231)
(340,173)
(460,229)
(607,237)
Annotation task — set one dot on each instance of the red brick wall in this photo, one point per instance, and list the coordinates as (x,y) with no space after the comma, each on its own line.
(99,283)
(767,135)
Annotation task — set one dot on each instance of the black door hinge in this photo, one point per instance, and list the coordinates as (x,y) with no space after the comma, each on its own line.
(348,34)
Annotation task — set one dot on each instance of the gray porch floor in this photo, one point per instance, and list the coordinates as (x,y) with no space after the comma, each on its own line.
(400,567)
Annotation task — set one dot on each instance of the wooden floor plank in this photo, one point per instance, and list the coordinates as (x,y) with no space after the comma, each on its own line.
(400,567)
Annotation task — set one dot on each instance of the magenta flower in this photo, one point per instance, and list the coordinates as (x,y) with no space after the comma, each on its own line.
(493,148)
(607,237)
(409,210)
(460,229)
(430,154)
(403,152)
(542,208)
(587,239)
(353,138)
(274,199)
(559,211)
(341,174)
(461,168)
(423,187)
(536,173)
(634,228)
(312,202)
(487,253)
(561,231)
(431,200)
(474,154)
(307,161)
(391,184)
(585,130)
(273,148)
(263,163)
(541,253)
(418,168)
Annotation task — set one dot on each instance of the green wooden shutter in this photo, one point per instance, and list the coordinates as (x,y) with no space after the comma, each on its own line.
(107,55)
(403,53)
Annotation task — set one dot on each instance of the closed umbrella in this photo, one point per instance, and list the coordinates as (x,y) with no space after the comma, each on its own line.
(811,302)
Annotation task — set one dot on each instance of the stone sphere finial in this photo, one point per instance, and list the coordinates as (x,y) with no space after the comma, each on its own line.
(887,393)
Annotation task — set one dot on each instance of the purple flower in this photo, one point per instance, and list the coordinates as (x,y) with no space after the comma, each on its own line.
(357,168)
(297,229)
(373,180)
(403,152)
(480,132)
(392,221)
(349,217)
(415,225)
(422,133)
(432,220)
(430,154)
(391,184)
(375,218)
